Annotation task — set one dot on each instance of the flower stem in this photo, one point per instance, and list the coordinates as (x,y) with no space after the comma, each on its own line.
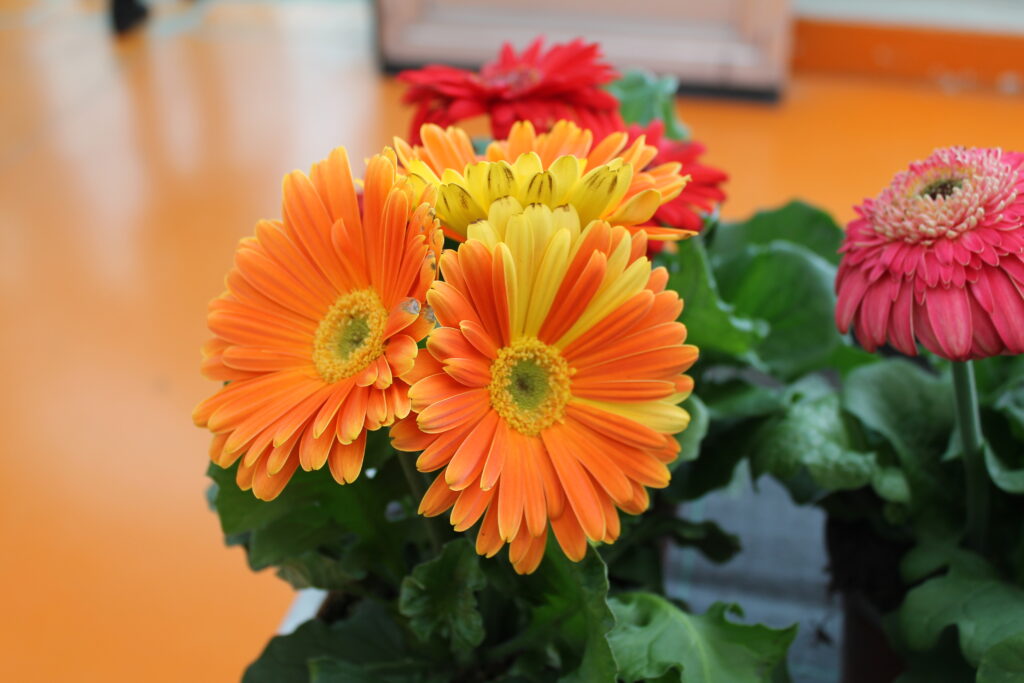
(969,421)
(417,486)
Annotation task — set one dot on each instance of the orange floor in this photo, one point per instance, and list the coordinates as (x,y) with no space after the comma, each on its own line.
(127,173)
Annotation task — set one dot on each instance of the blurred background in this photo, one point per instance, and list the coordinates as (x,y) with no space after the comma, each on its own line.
(130,166)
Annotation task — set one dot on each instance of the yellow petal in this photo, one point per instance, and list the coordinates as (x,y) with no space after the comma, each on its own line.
(547,279)
(638,209)
(660,416)
(457,209)
(500,211)
(566,171)
(528,165)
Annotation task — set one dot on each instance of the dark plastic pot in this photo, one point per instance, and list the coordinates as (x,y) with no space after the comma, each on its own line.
(866,656)
(865,572)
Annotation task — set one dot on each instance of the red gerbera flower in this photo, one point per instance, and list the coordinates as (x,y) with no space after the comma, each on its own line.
(540,86)
(938,257)
(701,193)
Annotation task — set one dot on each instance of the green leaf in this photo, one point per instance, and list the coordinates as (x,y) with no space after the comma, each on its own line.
(439,597)
(316,515)
(810,438)
(913,411)
(654,639)
(790,288)
(1009,480)
(942,664)
(568,617)
(1003,662)
(934,555)
(636,559)
(847,358)
(796,222)
(332,567)
(368,640)
(983,608)
(739,396)
(689,440)
(710,321)
(644,96)
(891,484)
(327,670)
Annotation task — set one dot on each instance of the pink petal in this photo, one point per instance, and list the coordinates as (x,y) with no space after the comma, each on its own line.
(901,321)
(949,312)
(851,285)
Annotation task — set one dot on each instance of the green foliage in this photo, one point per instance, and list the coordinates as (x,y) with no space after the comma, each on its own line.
(789,288)
(710,321)
(644,97)
(971,597)
(636,560)
(1009,480)
(1004,661)
(319,533)
(810,439)
(368,643)
(569,614)
(654,639)
(795,223)
(689,440)
(438,597)
(911,408)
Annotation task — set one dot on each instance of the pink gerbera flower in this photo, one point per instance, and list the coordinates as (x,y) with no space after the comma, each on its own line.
(537,85)
(937,258)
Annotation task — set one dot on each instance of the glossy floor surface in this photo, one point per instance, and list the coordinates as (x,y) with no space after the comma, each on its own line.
(128,171)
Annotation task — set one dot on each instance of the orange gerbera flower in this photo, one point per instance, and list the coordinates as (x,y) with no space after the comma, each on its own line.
(447,158)
(319,325)
(549,395)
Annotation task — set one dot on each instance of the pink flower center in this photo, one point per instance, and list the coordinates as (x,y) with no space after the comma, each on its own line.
(945,195)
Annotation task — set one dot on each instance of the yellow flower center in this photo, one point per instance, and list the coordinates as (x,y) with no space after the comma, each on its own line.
(530,385)
(350,336)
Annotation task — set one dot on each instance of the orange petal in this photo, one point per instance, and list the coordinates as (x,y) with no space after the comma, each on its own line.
(268,486)
(470,506)
(437,498)
(468,460)
(346,460)
(570,536)
(353,415)
(472,372)
(401,352)
(476,335)
(510,494)
(616,427)
(455,411)
(533,556)
(488,540)
(575,482)
(495,455)
(406,436)
(440,451)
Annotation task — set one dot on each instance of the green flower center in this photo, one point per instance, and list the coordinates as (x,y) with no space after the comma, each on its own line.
(943,187)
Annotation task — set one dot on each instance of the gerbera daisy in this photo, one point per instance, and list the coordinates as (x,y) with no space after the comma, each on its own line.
(549,394)
(319,325)
(938,257)
(537,85)
(701,194)
(649,184)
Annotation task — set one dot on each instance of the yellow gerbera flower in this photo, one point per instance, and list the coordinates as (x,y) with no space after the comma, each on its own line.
(607,181)
(319,325)
(549,394)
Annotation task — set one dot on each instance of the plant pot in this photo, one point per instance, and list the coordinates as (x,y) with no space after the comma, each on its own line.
(866,655)
(864,567)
